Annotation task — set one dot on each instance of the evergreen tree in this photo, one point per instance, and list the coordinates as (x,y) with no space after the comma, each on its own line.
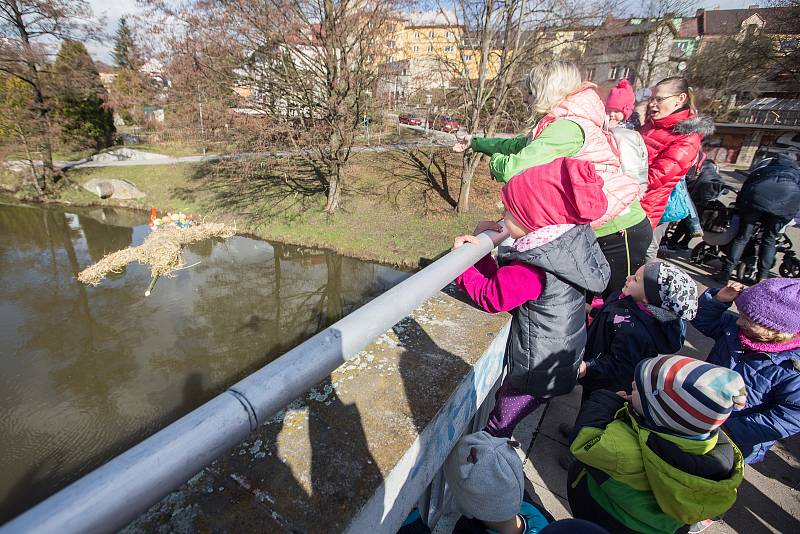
(125,52)
(80,108)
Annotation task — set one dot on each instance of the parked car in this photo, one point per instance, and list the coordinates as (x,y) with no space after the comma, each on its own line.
(443,122)
(411,119)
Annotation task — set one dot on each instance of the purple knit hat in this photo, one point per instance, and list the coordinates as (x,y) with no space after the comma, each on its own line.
(773,303)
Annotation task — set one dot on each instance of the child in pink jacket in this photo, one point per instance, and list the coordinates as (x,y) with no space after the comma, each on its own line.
(542,280)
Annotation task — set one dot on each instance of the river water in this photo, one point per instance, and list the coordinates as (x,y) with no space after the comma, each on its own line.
(86,372)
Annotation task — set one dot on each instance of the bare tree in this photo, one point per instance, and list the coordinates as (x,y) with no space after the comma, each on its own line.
(732,66)
(506,38)
(308,64)
(29,28)
(787,53)
(659,17)
(16,118)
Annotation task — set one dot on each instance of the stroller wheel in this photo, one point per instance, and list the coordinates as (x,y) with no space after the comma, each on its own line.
(790,268)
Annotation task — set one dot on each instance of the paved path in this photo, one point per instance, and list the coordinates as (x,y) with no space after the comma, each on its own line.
(435,139)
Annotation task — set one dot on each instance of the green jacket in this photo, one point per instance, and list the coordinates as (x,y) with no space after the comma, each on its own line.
(652,481)
(561,139)
(511,156)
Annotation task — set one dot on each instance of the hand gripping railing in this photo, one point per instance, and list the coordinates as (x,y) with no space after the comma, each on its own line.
(116,493)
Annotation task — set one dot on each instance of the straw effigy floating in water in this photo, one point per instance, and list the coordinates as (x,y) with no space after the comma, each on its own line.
(161,250)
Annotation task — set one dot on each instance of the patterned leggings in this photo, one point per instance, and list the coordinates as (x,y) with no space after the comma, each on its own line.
(510,408)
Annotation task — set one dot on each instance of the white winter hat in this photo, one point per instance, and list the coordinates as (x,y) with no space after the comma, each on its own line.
(485,474)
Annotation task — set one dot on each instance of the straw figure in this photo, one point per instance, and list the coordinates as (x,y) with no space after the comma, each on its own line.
(161,250)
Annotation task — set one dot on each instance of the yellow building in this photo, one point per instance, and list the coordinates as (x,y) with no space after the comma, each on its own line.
(438,52)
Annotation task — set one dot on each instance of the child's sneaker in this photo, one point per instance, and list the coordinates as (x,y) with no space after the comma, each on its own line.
(700,526)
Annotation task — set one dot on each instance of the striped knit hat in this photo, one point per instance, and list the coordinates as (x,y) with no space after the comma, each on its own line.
(687,396)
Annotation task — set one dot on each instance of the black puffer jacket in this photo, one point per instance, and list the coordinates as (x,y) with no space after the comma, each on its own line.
(548,335)
(773,187)
(705,185)
(622,335)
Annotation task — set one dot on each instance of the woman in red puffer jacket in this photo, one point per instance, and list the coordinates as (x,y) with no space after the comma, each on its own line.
(672,134)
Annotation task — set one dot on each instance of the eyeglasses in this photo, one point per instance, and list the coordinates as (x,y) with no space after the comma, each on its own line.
(660,99)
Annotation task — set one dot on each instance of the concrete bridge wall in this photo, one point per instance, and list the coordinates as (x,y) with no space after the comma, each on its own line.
(362,448)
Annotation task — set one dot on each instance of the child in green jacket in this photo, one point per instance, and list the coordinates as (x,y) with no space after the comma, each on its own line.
(654,461)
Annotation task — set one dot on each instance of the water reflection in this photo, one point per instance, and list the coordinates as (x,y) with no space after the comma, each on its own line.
(86,372)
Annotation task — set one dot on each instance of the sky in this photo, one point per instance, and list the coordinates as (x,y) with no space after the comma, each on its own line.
(112,10)
(116,8)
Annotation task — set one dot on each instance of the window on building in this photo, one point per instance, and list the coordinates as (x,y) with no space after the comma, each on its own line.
(626,73)
(468,57)
(390,44)
(416,35)
(430,34)
(590,75)
(613,74)
(416,49)
(449,35)
(448,48)
(391,27)
(430,48)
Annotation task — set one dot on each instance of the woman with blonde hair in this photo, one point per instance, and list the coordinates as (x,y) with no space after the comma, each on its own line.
(573,124)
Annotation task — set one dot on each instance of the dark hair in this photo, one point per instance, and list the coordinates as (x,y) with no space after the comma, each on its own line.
(681,84)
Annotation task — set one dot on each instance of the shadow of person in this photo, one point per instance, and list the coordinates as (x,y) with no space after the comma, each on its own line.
(33,486)
(430,374)
(755,511)
(777,465)
(315,484)
(343,468)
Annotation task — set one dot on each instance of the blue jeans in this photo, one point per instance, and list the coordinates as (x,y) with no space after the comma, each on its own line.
(771,224)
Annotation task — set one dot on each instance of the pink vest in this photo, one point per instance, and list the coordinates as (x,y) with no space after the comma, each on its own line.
(585,108)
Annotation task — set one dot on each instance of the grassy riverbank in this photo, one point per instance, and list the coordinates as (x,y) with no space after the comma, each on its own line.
(397,206)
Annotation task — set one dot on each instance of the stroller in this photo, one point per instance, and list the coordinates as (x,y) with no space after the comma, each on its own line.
(720,225)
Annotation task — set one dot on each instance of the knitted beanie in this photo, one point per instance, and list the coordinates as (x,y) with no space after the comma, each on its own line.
(485,474)
(668,287)
(773,303)
(564,191)
(687,396)
(621,98)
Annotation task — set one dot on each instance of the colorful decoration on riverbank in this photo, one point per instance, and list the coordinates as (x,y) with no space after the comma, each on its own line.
(180,219)
(161,250)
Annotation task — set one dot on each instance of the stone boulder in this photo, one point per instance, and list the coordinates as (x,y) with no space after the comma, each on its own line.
(117,189)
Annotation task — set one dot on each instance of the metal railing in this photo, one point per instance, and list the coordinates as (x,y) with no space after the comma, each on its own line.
(119,491)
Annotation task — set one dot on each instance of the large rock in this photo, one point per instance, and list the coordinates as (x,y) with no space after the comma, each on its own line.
(117,189)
